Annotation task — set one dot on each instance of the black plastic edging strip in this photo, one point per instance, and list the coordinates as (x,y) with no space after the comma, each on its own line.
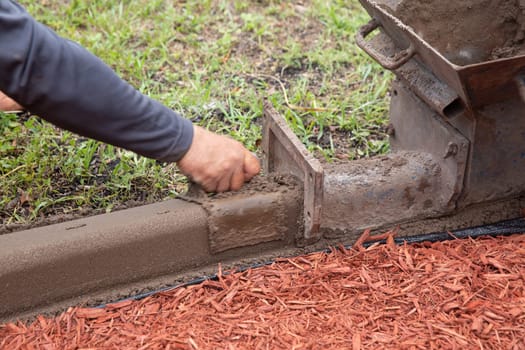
(503,228)
(214,277)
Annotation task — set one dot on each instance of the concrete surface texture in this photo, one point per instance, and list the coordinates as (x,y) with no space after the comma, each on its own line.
(46,265)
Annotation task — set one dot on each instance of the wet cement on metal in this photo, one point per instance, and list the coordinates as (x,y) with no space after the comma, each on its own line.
(390,189)
(472,216)
(267,209)
(468,31)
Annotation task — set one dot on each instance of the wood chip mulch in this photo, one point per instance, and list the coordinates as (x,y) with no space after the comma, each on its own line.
(460,294)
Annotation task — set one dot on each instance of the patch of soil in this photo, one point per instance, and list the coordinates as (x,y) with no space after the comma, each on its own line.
(56,215)
(300,28)
(469,31)
(67,195)
(459,294)
(345,145)
(262,184)
(259,184)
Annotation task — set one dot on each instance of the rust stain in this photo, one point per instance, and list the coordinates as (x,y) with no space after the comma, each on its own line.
(408,197)
(423,185)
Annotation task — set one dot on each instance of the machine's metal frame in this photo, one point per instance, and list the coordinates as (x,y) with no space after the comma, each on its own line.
(456,145)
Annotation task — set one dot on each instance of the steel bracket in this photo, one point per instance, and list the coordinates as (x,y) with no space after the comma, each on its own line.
(285,153)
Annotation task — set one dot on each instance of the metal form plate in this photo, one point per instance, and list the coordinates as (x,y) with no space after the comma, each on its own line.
(418,128)
(284,153)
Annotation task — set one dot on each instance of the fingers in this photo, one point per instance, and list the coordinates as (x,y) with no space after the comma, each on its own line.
(237,179)
(207,186)
(223,184)
(229,182)
(218,163)
(251,166)
(7,104)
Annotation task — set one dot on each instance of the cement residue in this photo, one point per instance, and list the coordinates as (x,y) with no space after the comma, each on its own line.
(469,31)
(258,184)
(267,209)
(262,184)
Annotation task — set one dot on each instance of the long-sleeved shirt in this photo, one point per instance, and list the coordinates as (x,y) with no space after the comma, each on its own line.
(65,84)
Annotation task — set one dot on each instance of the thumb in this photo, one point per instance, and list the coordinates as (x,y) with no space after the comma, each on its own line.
(252,166)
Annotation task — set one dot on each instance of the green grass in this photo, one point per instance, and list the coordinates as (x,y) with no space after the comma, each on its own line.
(210,60)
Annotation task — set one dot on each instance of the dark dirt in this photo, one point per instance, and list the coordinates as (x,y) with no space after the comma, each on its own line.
(344,144)
(263,184)
(276,182)
(469,31)
(57,216)
(307,34)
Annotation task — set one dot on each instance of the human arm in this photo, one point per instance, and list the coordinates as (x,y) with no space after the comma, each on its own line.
(211,154)
(8,105)
(65,84)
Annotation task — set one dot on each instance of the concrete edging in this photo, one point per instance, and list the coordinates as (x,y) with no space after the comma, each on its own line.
(47,265)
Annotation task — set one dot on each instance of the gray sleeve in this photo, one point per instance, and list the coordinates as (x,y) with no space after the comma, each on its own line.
(65,84)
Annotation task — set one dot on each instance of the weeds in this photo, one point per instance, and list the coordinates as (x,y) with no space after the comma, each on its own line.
(201,58)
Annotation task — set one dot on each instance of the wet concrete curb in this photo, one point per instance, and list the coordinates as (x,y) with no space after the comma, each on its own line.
(47,265)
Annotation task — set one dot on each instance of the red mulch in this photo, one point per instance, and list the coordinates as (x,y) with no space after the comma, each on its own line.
(461,294)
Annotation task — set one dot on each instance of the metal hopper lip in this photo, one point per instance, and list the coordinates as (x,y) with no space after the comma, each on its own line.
(477,84)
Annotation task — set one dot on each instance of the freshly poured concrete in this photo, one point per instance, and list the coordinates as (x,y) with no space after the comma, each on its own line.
(50,263)
(112,256)
(46,265)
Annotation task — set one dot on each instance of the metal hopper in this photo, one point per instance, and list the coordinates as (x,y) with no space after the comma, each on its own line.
(464,60)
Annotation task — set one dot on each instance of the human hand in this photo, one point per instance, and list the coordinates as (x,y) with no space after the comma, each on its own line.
(7,104)
(218,163)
